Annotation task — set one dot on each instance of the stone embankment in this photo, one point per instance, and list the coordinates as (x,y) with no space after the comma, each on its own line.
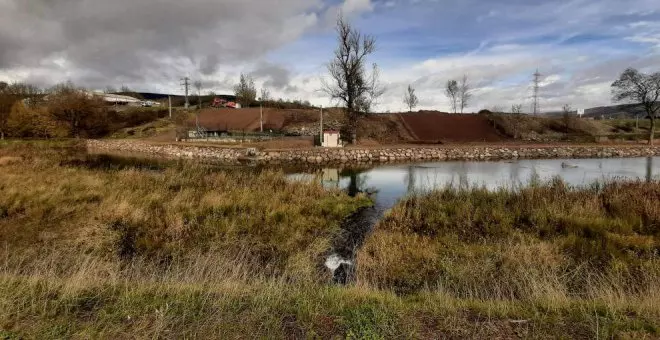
(355,155)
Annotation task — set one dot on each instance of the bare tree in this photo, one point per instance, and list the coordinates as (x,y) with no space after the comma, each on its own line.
(349,83)
(516,109)
(374,91)
(497,109)
(644,89)
(410,98)
(265,95)
(79,109)
(452,92)
(567,111)
(9,95)
(198,87)
(464,93)
(245,90)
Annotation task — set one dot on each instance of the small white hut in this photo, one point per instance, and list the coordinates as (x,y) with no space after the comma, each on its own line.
(331,139)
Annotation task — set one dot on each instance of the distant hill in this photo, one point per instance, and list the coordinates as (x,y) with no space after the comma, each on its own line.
(163,96)
(616,111)
(177,100)
(608,112)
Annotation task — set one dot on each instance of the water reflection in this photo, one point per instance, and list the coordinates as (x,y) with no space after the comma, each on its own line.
(392,182)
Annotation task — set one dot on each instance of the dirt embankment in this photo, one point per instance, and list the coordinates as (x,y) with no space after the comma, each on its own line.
(239,120)
(433,127)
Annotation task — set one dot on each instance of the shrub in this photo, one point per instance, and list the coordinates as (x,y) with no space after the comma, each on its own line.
(83,113)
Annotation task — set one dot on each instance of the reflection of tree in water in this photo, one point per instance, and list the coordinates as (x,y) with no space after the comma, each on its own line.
(649,169)
(534,178)
(330,177)
(357,181)
(461,170)
(411,179)
(514,174)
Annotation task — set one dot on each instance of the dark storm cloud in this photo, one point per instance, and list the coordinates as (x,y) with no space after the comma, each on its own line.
(274,76)
(135,40)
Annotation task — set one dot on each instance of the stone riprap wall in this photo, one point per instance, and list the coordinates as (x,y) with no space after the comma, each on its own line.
(400,154)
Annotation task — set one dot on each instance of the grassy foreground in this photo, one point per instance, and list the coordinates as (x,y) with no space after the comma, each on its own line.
(585,262)
(93,247)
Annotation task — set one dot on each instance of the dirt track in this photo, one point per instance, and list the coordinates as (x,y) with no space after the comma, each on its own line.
(446,128)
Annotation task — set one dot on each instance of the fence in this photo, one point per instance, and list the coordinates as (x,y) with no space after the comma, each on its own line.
(232,136)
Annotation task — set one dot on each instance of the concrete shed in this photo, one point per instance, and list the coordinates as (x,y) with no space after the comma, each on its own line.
(331,139)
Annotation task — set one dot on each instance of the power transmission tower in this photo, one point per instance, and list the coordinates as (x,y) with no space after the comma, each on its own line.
(535,105)
(185,82)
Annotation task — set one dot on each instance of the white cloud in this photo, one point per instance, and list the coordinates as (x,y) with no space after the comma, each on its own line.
(98,43)
(356,7)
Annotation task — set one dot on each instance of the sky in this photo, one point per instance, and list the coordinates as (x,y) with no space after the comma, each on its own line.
(579,46)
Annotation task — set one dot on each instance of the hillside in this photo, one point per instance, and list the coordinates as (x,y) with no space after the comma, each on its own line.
(616,111)
(622,111)
(441,127)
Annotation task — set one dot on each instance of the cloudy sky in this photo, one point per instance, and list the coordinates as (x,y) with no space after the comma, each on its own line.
(580,46)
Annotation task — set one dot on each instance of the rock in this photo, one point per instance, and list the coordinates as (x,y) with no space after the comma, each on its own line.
(315,156)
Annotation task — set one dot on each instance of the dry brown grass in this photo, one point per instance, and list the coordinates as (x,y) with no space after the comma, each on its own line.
(543,128)
(550,245)
(133,249)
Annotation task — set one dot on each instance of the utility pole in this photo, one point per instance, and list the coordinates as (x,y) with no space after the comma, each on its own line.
(185,82)
(261,115)
(321,133)
(537,82)
(169,99)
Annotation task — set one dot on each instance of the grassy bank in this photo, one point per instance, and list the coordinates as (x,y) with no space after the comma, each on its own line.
(74,226)
(589,252)
(97,247)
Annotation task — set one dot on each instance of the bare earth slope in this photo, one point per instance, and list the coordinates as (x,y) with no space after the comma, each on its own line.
(440,127)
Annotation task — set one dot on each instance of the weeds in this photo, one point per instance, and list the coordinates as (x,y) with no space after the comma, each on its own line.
(184,250)
(543,242)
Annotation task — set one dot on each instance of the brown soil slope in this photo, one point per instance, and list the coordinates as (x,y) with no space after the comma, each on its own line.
(248,119)
(440,127)
(239,120)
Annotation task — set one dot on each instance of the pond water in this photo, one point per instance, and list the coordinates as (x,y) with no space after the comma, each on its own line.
(387,184)
(390,183)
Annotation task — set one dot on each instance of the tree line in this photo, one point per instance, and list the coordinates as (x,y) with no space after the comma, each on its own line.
(27,111)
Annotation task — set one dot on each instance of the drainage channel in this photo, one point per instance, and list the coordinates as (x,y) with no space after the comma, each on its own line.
(355,229)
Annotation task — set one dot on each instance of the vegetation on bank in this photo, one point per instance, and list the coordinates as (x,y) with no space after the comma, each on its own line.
(64,111)
(591,252)
(98,247)
(568,128)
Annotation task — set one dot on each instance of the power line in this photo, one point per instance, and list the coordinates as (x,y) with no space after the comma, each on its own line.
(537,81)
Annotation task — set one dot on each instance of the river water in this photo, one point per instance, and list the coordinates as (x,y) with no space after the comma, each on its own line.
(388,184)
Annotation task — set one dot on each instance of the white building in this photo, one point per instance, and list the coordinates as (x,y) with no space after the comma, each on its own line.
(117,99)
(331,139)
